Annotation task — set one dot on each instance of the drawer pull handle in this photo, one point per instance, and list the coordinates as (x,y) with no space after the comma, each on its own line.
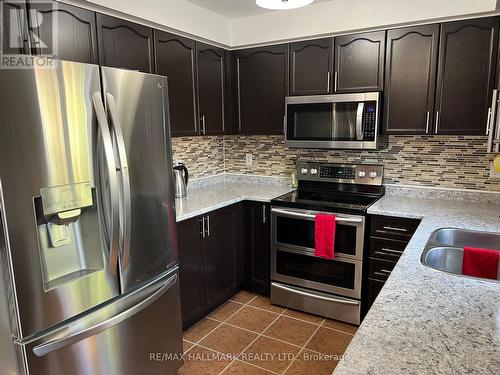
(396,229)
(385,271)
(392,251)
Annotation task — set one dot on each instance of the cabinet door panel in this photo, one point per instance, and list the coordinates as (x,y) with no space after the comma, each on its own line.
(359,62)
(191,271)
(175,58)
(467,61)
(76,34)
(211,89)
(14,28)
(410,79)
(124,44)
(262,75)
(311,64)
(222,254)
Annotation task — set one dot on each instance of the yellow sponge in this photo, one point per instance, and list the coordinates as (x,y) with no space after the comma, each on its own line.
(496,163)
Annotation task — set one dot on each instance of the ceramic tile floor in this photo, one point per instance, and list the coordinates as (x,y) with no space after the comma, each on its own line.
(248,335)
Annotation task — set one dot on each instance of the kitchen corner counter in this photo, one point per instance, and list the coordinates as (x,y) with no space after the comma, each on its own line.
(425,321)
(225,190)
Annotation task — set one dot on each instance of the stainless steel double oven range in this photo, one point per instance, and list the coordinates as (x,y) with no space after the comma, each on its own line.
(301,280)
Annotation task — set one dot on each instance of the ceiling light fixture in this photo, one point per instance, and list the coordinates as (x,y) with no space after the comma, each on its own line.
(283,4)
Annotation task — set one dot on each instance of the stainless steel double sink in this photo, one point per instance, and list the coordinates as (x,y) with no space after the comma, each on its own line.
(445,248)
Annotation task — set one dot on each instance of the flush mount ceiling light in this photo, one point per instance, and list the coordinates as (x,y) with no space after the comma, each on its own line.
(283,4)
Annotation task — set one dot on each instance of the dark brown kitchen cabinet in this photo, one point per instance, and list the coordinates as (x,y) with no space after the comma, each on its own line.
(75,38)
(410,79)
(125,44)
(175,58)
(359,62)
(211,81)
(466,75)
(258,240)
(191,270)
(223,254)
(211,260)
(311,67)
(262,79)
(15,38)
(231,95)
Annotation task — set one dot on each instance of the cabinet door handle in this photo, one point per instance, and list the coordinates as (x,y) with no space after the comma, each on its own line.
(328,79)
(208,226)
(204,131)
(437,122)
(488,121)
(264,219)
(202,220)
(427,122)
(336,79)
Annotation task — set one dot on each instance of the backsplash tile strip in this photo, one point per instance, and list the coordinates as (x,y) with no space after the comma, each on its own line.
(204,156)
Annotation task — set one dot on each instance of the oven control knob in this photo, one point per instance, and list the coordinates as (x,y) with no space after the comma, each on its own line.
(303,171)
(314,171)
(373,174)
(362,174)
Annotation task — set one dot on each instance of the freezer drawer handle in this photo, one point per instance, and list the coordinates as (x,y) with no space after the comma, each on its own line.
(72,338)
(336,300)
(309,216)
(113,183)
(125,200)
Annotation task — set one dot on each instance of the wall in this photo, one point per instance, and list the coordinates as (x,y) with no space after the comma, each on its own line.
(342,16)
(204,156)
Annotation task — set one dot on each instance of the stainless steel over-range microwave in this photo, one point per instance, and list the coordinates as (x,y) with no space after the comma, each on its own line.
(341,121)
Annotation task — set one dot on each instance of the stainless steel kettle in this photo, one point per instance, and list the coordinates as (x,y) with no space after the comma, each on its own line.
(181,178)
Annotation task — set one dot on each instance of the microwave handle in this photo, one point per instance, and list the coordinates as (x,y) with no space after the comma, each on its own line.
(359,121)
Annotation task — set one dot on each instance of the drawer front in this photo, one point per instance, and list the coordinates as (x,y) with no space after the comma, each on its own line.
(393,227)
(383,248)
(380,269)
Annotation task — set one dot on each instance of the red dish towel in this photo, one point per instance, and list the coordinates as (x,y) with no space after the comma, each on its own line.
(480,262)
(324,236)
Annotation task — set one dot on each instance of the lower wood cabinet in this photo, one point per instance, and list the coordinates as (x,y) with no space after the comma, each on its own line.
(211,260)
(258,247)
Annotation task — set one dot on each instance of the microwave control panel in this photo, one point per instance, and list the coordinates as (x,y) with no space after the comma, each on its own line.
(369,121)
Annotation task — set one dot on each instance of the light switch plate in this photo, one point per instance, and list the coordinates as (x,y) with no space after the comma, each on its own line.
(249,159)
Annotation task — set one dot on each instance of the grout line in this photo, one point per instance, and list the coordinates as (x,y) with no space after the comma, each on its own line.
(338,330)
(304,346)
(254,365)
(270,324)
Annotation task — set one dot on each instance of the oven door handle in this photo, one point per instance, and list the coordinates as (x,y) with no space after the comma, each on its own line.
(309,216)
(292,290)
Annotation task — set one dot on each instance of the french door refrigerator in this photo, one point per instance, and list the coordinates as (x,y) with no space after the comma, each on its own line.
(88,242)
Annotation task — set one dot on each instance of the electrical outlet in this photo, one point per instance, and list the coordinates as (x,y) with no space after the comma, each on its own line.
(494,175)
(249,159)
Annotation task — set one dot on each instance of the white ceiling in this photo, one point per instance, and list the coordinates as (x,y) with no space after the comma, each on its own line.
(235,8)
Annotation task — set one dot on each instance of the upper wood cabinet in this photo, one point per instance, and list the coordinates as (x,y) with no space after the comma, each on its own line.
(262,79)
(466,75)
(124,44)
(211,71)
(359,62)
(175,58)
(19,42)
(311,67)
(410,79)
(76,34)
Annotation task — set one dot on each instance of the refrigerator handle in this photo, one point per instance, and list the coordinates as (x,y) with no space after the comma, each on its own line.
(154,291)
(102,123)
(125,201)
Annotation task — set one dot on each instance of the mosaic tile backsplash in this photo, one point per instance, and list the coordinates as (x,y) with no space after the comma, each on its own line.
(445,161)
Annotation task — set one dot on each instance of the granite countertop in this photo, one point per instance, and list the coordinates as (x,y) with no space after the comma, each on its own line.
(226,190)
(425,321)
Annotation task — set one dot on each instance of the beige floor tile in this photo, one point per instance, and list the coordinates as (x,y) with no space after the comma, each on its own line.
(265,303)
(200,329)
(243,296)
(186,346)
(291,330)
(341,326)
(310,363)
(328,341)
(227,339)
(203,361)
(225,311)
(270,354)
(304,316)
(242,368)
(253,319)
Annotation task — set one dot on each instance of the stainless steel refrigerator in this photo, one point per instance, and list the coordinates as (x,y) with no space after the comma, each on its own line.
(87,237)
